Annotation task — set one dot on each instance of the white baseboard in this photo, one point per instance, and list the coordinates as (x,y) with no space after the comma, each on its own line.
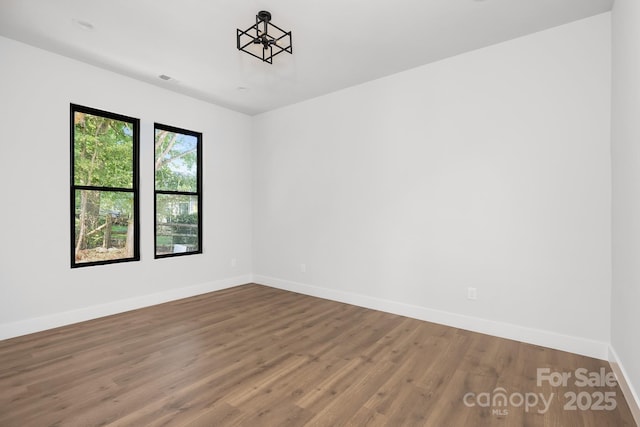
(629,392)
(549,339)
(577,345)
(37,324)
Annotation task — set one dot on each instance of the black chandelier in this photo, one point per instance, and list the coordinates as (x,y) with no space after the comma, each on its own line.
(264,40)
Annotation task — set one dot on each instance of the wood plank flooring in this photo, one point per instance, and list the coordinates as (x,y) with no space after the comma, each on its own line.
(257,356)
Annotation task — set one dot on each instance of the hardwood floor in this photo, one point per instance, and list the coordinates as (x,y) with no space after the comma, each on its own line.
(257,356)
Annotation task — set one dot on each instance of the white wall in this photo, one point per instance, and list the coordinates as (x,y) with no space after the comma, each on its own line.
(489,170)
(38,289)
(626,189)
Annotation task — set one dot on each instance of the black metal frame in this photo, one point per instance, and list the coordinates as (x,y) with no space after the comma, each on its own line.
(198,193)
(134,190)
(263,37)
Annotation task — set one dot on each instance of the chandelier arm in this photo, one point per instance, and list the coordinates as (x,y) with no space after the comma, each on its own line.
(267,40)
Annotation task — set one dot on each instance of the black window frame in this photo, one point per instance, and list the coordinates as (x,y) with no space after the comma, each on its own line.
(197,193)
(135,190)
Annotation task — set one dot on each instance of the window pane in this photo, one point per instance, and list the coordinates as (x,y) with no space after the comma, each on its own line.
(176,223)
(176,161)
(177,189)
(103,225)
(103,151)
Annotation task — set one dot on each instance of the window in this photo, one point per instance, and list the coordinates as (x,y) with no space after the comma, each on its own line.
(104,187)
(178,197)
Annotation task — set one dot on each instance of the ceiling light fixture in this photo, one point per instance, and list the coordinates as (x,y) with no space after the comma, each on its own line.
(264,40)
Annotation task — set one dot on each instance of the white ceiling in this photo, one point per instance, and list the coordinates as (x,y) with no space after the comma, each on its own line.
(336,43)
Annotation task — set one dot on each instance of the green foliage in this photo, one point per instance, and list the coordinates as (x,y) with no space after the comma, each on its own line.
(164,240)
(103,151)
(185,219)
(176,161)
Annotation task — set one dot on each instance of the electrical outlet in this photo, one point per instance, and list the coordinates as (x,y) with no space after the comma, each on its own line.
(234,262)
(303,268)
(472,293)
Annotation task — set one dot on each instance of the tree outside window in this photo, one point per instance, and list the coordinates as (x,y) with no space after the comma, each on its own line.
(178,198)
(104,187)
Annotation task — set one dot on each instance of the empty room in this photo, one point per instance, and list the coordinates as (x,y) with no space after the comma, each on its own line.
(287,213)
